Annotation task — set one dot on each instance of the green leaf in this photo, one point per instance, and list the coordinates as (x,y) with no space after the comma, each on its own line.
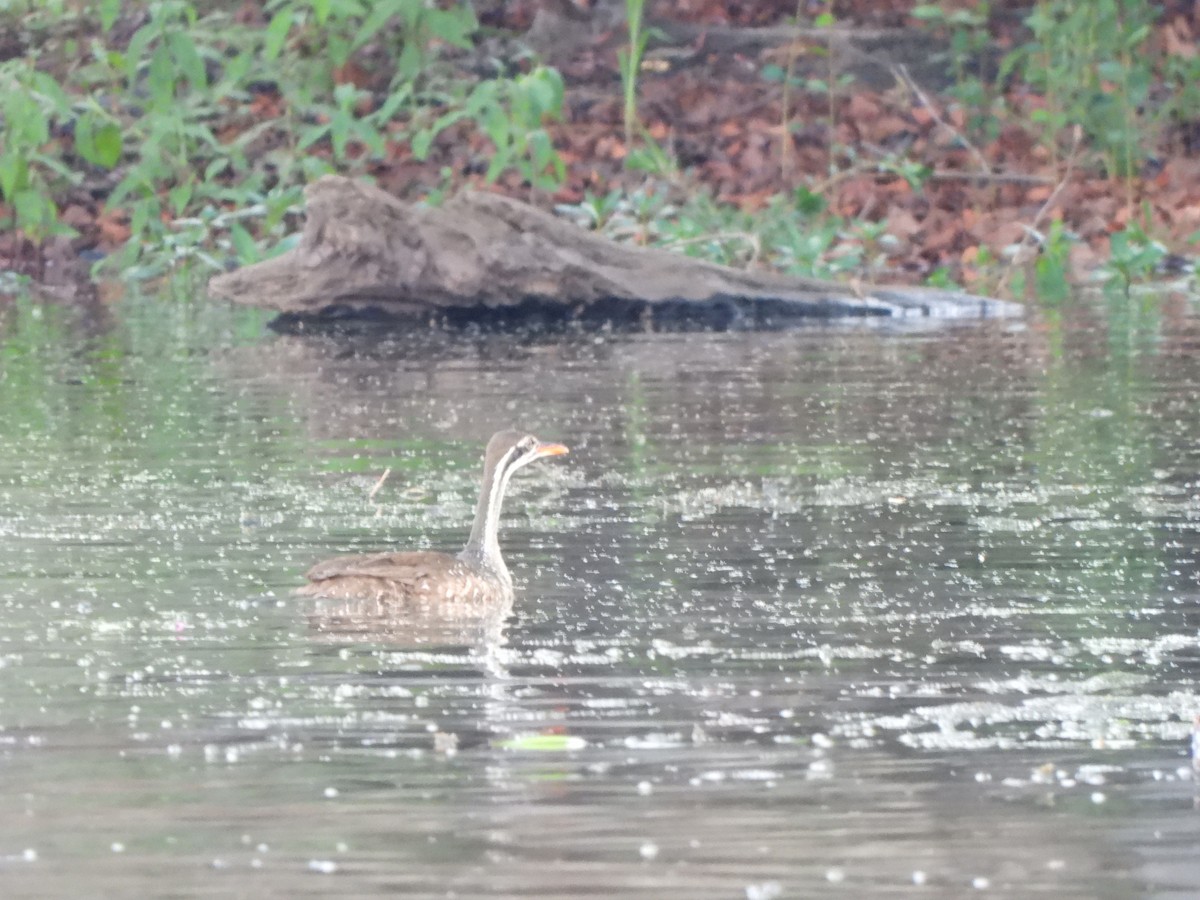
(114,60)
(35,212)
(277,32)
(311,135)
(243,243)
(411,60)
(421,142)
(807,202)
(339,132)
(14,174)
(498,164)
(215,168)
(394,101)
(107,145)
(162,77)
(381,12)
(109,10)
(187,58)
(180,196)
(544,743)
(52,92)
(546,90)
(100,146)
(456,25)
(136,50)
(498,126)
(25,121)
(85,141)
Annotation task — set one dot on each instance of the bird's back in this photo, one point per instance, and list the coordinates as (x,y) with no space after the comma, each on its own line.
(422,578)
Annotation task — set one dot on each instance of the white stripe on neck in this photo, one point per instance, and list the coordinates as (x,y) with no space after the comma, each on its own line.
(491,527)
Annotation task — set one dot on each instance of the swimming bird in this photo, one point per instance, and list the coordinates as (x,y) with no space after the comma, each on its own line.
(474,581)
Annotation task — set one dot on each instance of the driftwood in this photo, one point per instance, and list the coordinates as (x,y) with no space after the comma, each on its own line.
(486,258)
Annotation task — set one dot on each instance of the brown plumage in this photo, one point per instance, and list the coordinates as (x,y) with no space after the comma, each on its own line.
(475,580)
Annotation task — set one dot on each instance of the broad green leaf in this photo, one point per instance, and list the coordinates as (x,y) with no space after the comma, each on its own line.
(109,10)
(162,77)
(455,25)
(51,93)
(411,59)
(311,135)
(381,12)
(180,196)
(136,50)
(35,211)
(277,32)
(187,58)
(107,145)
(215,168)
(395,100)
(26,122)
(243,243)
(339,132)
(545,92)
(85,141)
(544,743)
(116,61)
(421,142)
(499,163)
(14,174)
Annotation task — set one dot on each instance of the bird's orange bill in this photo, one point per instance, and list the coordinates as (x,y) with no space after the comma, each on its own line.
(551,450)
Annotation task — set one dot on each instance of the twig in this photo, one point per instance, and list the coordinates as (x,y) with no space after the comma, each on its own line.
(785,144)
(942,175)
(990,177)
(1031,230)
(379,484)
(1076,137)
(901,73)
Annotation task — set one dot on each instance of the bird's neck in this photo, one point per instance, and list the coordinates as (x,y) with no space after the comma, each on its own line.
(483,546)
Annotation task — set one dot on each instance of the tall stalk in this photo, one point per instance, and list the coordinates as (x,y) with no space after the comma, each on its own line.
(629,61)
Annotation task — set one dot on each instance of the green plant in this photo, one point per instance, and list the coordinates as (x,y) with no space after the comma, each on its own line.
(599,211)
(1133,257)
(653,159)
(827,86)
(512,113)
(213,127)
(793,233)
(629,62)
(1050,268)
(1053,265)
(32,104)
(970,43)
(1089,60)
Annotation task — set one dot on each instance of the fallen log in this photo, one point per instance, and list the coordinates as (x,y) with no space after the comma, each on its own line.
(487,259)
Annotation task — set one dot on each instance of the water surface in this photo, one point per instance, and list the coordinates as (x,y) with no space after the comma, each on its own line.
(843,609)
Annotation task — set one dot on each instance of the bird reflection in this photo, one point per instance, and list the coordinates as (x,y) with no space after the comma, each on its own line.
(400,627)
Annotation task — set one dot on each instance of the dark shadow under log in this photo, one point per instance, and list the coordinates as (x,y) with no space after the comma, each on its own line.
(484,259)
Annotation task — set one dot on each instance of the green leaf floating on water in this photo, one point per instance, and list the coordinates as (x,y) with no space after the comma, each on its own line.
(543,743)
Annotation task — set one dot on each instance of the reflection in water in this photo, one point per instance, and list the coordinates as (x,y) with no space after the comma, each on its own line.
(833,608)
(395,625)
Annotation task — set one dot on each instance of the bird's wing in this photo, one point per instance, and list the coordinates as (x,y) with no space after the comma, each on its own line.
(410,566)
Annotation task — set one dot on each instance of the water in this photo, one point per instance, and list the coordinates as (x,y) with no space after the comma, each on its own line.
(839,610)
